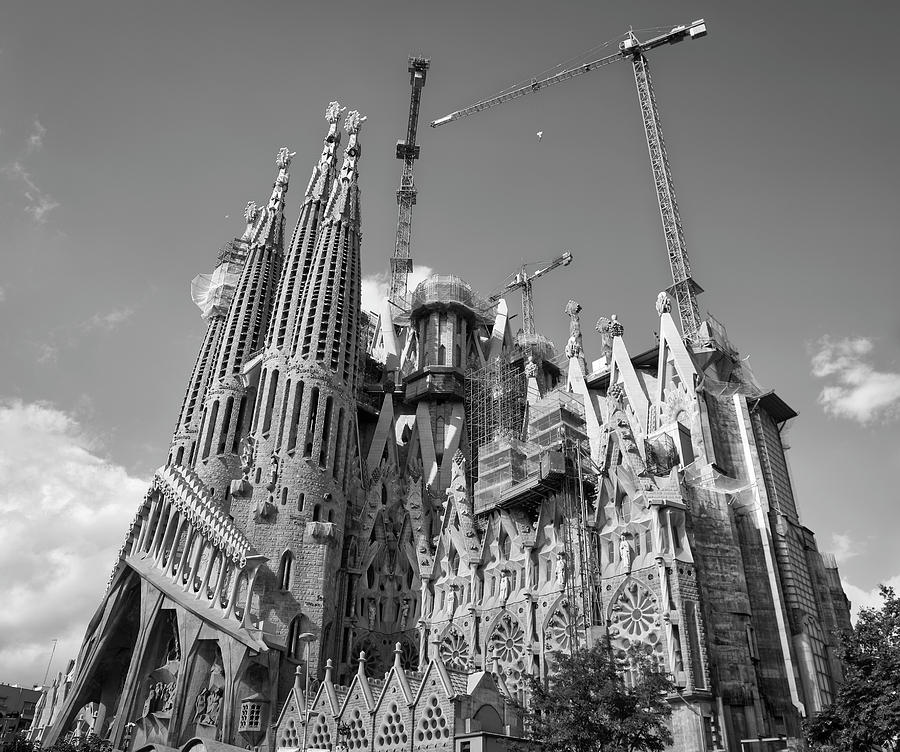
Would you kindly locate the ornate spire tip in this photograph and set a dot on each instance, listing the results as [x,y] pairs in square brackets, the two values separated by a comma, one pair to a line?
[354,121]
[284,157]
[333,112]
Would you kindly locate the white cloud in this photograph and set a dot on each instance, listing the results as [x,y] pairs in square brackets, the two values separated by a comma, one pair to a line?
[108,321]
[38,204]
[375,287]
[36,137]
[843,547]
[857,390]
[2,294]
[860,598]
[64,511]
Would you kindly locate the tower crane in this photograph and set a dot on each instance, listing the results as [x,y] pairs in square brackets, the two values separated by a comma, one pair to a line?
[632,49]
[408,151]
[524,280]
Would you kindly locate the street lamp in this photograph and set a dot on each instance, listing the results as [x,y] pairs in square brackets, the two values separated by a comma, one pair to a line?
[306,637]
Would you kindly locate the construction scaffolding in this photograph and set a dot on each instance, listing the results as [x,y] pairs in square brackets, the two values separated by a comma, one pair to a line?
[545,460]
[495,404]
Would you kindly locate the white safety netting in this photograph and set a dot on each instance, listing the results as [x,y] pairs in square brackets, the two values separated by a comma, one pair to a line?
[213,293]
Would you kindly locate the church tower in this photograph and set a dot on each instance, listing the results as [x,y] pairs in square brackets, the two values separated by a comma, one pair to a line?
[303,434]
[230,395]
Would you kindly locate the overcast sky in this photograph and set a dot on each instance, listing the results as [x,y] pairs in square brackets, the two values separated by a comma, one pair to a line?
[133,134]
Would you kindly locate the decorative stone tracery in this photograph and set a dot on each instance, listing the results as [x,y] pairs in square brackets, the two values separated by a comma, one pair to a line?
[507,643]
[454,650]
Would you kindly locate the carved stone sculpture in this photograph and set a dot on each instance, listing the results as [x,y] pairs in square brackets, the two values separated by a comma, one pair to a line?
[200,705]
[251,213]
[505,585]
[213,706]
[663,303]
[625,553]
[573,346]
[247,458]
[372,613]
[273,473]
[404,614]
[561,572]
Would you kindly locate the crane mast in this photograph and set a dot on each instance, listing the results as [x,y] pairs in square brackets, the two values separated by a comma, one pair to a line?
[684,287]
[408,151]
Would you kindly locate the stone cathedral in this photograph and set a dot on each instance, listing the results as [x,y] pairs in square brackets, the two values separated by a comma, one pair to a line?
[372,527]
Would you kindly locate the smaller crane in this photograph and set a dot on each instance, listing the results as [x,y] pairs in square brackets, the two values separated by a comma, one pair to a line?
[524,280]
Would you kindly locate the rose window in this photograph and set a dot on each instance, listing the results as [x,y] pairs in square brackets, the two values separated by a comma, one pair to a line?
[635,612]
[375,665]
[409,655]
[454,650]
[561,630]
[508,643]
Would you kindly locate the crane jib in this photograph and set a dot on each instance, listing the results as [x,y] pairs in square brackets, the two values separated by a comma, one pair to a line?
[633,49]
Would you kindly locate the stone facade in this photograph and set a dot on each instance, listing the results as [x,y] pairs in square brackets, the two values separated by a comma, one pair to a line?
[372,529]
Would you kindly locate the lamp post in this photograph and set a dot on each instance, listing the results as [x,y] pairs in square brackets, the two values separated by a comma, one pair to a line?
[306,637]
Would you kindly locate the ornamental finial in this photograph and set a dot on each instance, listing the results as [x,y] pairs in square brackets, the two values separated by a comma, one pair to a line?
[333,112]
[663,303]
[284,157]
[251,214]
[354,122]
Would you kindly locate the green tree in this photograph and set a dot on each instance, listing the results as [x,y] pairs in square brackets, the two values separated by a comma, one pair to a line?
[865,714]
[89,743]
[588,707]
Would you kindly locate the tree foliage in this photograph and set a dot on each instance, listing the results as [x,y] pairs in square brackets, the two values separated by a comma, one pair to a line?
[865,714]
[588,707]
[89,743]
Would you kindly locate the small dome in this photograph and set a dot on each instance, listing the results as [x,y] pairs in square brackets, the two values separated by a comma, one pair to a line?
[440,290]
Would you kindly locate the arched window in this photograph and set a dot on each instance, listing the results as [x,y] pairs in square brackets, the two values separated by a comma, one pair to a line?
[295,416]
[311,421]
[505,544]
[442,356]
[284,494]
[255,422]
[439,433]
[285,570]
[317,512]
[294,643]
[270,402]
[300,498]
[326,433]
[179,456]
[210,429]
[239,425]
[331,515]
[282,418]
[338,444]
[226,425]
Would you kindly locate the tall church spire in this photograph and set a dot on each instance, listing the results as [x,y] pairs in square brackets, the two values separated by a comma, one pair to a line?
[304,427]
[229,400]
[328,329]
[303,241]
